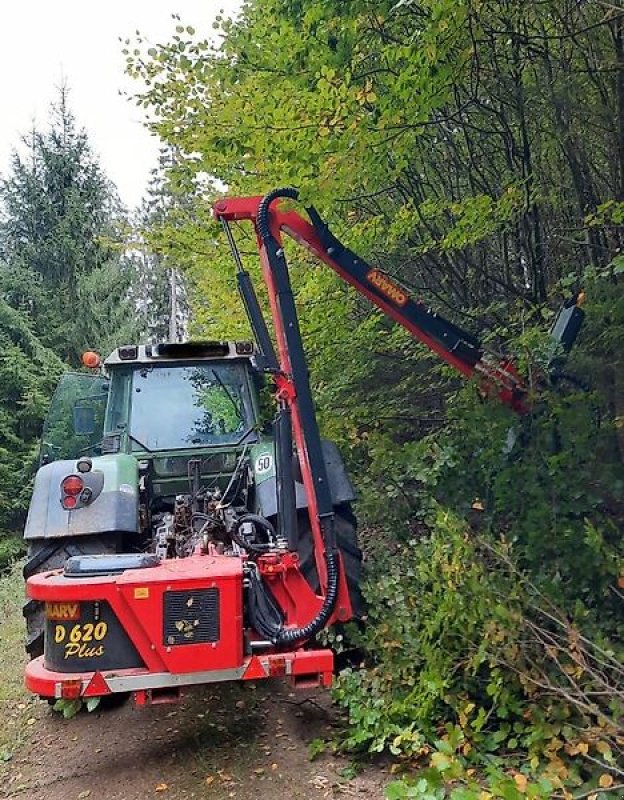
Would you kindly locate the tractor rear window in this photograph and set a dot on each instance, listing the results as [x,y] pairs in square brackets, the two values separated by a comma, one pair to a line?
[174,407]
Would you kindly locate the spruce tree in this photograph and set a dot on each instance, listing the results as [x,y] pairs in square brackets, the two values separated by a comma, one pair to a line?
[62,237]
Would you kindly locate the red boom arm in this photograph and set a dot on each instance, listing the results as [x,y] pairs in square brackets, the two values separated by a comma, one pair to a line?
[457,347]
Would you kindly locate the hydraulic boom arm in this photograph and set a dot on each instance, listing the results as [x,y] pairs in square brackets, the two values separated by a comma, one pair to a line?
[457,347]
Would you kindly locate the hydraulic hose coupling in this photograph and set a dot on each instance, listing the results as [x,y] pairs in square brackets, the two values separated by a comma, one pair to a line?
[289,636]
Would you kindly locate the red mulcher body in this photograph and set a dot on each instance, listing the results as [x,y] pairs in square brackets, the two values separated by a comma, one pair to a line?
[134,623]
[153,630]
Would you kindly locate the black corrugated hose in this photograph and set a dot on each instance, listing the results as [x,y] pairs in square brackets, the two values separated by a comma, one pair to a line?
[272,630]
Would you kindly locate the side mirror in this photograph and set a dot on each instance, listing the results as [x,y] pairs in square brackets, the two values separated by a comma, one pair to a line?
[84,420]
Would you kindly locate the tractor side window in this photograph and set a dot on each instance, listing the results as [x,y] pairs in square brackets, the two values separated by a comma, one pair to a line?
[75,419]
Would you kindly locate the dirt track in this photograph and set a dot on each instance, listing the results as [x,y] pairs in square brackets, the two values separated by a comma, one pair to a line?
[230,742]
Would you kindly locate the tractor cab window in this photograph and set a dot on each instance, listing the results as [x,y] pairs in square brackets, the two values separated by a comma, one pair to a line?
[75,419]
[175,407]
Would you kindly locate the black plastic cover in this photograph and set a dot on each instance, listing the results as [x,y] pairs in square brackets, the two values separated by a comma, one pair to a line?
[190,349]
[99,565]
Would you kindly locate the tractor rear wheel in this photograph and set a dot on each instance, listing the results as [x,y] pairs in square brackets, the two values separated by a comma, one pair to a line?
[47,554]
[346,536]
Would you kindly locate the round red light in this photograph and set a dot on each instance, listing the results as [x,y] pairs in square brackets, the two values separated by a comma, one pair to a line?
[69,501]
[72,485]
[91,360]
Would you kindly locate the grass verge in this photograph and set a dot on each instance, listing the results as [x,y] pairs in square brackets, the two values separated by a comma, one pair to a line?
[16,706]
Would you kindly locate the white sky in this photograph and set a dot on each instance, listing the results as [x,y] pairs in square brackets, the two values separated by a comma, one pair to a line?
[45,42]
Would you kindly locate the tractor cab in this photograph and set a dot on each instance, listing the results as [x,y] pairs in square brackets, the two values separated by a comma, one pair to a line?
[155,399]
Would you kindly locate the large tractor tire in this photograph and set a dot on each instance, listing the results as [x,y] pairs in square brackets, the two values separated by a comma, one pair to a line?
[346,536]
[47,554]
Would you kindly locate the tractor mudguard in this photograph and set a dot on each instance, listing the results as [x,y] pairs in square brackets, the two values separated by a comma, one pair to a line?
[113,507]
[263,464]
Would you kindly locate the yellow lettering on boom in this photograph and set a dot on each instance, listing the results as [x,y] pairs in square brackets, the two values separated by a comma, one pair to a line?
[387,287]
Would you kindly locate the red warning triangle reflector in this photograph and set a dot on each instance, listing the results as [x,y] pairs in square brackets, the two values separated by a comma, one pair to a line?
[97,686]
[254,669]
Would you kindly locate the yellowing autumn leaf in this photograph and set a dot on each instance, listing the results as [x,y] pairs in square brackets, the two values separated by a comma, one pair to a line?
[605,781]
[440,761]
[521,782]
[576,748]
[161,787]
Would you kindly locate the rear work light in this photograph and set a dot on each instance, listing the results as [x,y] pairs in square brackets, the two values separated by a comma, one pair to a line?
[128,353]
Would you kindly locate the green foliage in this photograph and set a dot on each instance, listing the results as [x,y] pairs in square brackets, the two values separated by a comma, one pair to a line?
[69,708]
[469,150]
[432,610]
[10,550]
[469,670]
[28,373]
[430,785]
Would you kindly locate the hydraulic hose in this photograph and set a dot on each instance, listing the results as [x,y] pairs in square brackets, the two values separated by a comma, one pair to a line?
[291,635]
[261,522]
[267,621]
[279,635]
[262,217]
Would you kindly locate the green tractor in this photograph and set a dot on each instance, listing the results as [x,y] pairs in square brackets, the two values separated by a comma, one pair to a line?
[157,451]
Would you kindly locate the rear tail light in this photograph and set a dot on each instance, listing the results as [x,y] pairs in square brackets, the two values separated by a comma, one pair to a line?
[71,689]
[277,666]
[72,485]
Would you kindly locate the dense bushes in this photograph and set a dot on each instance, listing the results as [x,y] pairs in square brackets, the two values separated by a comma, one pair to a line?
[494,651]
